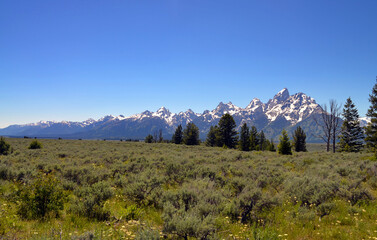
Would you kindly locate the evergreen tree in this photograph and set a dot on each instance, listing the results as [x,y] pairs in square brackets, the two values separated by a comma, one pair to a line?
[284,146]
[212,136]
[148,139]
[271,146]
[371,129]
[191,134]
[299,140]
[351,136]
[227,133]
[253,138]
[177,137]
[244,143]
[262,141]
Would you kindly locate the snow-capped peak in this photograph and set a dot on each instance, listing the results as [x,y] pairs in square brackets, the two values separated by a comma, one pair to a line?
[282,95]
[254,105]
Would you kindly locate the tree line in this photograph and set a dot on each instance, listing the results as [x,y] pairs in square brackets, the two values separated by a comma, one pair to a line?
[346,137]
[224,135]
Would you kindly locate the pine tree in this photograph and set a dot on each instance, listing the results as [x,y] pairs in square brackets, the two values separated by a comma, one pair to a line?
[284,146]
[351,138]
[271,146]
[244,143]
[178,134]
[253,138]
[212,136]
[262,141]
[227,133]
[148,139]
[299,140]
[371,129]
[191,134]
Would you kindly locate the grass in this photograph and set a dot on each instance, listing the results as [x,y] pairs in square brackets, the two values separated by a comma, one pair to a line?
[288,192]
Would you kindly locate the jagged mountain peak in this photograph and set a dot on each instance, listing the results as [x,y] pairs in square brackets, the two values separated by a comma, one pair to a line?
[254,104]
[163,110]
[226,108]
[190,111]
[282,95]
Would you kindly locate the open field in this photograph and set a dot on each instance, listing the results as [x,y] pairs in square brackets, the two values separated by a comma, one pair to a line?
[127,190]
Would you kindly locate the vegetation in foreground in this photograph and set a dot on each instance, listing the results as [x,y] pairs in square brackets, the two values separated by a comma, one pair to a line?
[72,189]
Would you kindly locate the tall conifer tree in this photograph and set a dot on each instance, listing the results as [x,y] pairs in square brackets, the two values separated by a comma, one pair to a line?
[227,133]
[178,135]
[212,136]
[253,138]
[299,140]
[351,136]
[284,146]
[191,134]
[371,129]
[262,141]
[244,143]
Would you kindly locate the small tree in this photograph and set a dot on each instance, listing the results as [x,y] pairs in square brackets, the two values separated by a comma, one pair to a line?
[371,129]
[227,133]
[299,140]
[351,137]
[191,134]
[212,136]
[5,148]
[178,134]
[148,139]
[35,145]
[244,143]
[271,146]
[284,146]
[254,141]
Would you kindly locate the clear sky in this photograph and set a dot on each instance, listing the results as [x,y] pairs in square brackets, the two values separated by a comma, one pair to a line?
[74,60]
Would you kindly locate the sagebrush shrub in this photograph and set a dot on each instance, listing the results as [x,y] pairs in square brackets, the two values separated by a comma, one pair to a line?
[42,198]
[5,148]
[91,200]
[35,145]
[147,234]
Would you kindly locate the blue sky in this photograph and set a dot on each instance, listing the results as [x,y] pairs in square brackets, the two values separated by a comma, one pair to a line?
[74,60]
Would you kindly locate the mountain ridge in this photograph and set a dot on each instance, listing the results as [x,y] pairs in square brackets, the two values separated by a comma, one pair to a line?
[282,111]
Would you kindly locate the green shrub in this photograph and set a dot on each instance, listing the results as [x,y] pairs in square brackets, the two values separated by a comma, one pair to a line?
[91,200]
[133,212]
[42,198]
[35,145]
[5,148]
[250,204]
[191,210]
[147,234]
[144,188]
[325,209]
[309,191]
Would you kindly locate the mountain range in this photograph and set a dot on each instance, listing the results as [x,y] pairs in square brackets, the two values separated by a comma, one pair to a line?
[283,111]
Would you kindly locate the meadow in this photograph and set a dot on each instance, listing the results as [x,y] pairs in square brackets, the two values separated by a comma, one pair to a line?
[132,190]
